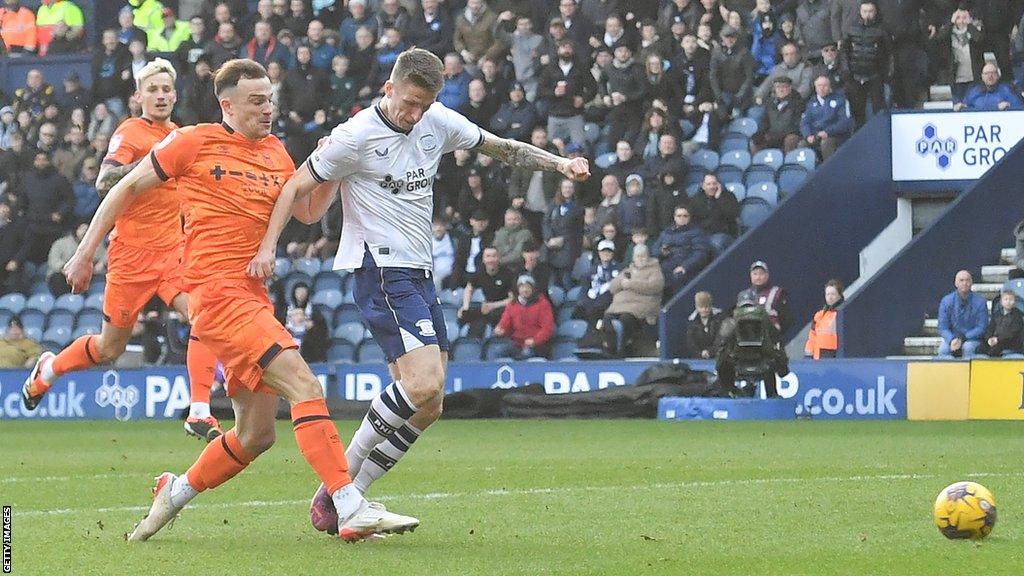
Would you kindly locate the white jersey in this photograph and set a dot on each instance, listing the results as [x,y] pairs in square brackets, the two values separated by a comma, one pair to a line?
[387,180]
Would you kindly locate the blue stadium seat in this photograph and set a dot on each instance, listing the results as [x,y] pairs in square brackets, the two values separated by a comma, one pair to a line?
[341,351]
[1017,285]
[606,160]
[706,159]
[31,318]
[791,178]
[328,298]
[58,334]
[478,296]
[804,157]
[70,302]
[353,332]
[729,174]
[467,350]
[756,175]
[328,281]
[5,318]
[556,295]
[347,313]
[97,286]
[308,266]
[573,295]
[564,313]
[451,326]
[89,318]
[745,126]
[30,270]
[48,346]
[41,302]
[564,349]
[738,190]
[348,297]
[94,301]
[693,177]
[327,265]
[452,297]
[60,317]
[591,133]
[693,189]
[734,142]
[370,351]
[769,157]
[572,329]
[282,266]
[39,287]
[753,211]
[85,331]
[766,191]
[14,302]
[495,348]
[35,333]
[738,158]
[294,278]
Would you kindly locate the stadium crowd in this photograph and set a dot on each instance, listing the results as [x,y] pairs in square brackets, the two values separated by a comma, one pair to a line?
[695,115]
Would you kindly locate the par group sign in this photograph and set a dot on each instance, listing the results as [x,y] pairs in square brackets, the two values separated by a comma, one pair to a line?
[952,145]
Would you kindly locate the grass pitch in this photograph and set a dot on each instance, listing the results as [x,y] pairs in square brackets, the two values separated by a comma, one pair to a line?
[533,497]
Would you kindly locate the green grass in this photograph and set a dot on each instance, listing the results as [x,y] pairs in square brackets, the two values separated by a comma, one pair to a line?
[534,497]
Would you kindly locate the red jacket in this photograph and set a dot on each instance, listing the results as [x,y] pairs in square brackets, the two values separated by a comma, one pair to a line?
[534,320]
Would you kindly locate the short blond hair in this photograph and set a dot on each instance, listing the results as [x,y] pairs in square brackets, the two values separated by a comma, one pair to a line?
[421,68]
[702,299]
[157,66]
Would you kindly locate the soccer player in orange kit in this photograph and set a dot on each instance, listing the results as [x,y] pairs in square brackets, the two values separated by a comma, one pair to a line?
[230,176]
[144,259]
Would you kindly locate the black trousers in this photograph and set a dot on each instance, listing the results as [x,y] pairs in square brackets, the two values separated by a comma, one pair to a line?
[860,93]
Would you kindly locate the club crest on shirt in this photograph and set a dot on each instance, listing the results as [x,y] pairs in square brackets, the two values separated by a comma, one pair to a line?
[428,142]
[115,143]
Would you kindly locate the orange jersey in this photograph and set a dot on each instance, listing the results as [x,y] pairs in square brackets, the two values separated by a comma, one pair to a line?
[153,220]
[228,185]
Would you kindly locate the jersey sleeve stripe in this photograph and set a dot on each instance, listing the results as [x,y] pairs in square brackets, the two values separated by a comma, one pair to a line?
[159,169]
[481,140]
[313,171]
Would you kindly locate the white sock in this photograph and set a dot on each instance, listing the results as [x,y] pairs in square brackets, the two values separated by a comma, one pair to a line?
[199,410]
[347,501]
[46,371]
[385,456]
[181,491]
[387,413]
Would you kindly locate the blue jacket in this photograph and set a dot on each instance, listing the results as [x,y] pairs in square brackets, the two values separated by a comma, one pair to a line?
[967,320]
[980,98]
[685,246]
[455,91]
[633,212]
[763,50]
[833,116]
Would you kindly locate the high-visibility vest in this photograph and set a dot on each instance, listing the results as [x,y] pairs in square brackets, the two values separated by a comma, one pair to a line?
[823,334]
[149,16]
[157,42]
[60,11]
[18,28]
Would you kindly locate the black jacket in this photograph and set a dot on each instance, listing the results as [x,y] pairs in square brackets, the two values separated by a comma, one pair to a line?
[303,90]
[107,78]
[435,37]
[459,275]
[716,215]
[579,82]
[41,193]
[515,121]
[867,49]
[700,336]
[569,227]
[783,117]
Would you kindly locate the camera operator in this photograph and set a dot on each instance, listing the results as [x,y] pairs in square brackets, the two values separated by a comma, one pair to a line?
[749,350]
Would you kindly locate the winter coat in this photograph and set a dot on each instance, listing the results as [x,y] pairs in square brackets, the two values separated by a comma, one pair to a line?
[515,121]
[455,91]
[685,246]
[783,118]
[945,64]
[980,97]
[701,337]
[837,72]
[633,212]
[1007,327]
[832,116]
[43,193]
[579,82]
[716,215]
[867,49]
[510,242]
[304,91]
[534,320]
[637,291]
[435,36]
[477,37]
[64,248]
[962,319]
[732,72]
[627,79]
[813,26]
[565,222]
[799,74]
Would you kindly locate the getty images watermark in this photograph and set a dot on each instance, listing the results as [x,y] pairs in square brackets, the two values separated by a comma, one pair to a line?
[7,539]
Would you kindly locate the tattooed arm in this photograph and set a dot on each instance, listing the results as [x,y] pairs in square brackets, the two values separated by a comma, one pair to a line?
[522,155]
[110,175]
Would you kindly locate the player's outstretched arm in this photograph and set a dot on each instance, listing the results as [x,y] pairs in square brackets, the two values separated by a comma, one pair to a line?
[110,175]
[523,155]
[311,206]
[143,177]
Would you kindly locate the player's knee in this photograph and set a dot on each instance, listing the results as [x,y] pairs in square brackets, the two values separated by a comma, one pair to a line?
[257,441]
[109,349]
[425,386]
[306,388]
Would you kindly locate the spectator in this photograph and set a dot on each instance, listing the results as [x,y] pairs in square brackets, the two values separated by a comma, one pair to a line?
[990,94]
[16,349]
[1003,336]
[359,17]
[476,196]
[495,281]
[564,87]
[639,236]
[322,52]
[525,47]
[611,195]
[516,118]
[563,232]
[667,194]
[626,162]
[8,128]
[303,94]
[653,44]
[47,201]
[963,318]
[578,27]
[74,96]
[224,46]
[67,159]
[201,104]
[362,58]
[387,54]
[634,208]
[595,301]
[101,125]
[128,31]
[474,33]
[958,48]
[826,122]
[264,47]
[626,92]
[297,324]
[765,41]
[658,83]
[613,36]
[685,13]
[390,14]
[469,249]
[443,251]
[12,250]
[832,66]
[683,249]
[645,146]
[431,29]
[781,125]
[62,251]
[265,13]
[732,74]
[702,330]
[868,52]
[17,27]
[813,28]
[137,52]
[84,188]
[192,48]
[533,266]
[55,14]
[171,33]
[528,321]
[510,239]
[47,138]
[636,296]
[693,96]
[715,210]
[343,90]
[315,340]
[773,298]
[455,91]
[148,14]
[792,67]
[298,18]
[478,109]
[535,187]
[668,160]
[823,339]
[35,96]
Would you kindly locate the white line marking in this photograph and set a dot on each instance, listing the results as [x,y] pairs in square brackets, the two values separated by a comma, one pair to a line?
[531,491]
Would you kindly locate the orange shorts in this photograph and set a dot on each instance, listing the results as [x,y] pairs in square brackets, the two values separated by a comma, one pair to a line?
[134,275]
[235,319]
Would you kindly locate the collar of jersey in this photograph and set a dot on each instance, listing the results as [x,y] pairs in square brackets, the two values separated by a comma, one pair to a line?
[388,123]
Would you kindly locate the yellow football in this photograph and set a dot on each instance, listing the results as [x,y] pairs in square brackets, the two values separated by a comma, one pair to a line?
[965,510]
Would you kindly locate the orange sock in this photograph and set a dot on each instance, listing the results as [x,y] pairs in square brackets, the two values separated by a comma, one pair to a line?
[79,355]
[220,461]
[320,444]
[201,367]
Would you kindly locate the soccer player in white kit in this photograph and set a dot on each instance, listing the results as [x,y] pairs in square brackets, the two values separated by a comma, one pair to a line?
[386,158]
